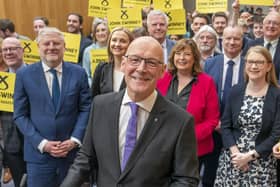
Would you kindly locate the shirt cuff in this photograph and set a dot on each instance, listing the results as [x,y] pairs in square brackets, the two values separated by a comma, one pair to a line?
[42,145]
[76,141]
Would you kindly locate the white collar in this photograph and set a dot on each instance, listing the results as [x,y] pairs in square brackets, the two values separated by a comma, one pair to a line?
[146,104]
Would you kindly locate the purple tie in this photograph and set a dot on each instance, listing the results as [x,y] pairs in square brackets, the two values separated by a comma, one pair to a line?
[131,134]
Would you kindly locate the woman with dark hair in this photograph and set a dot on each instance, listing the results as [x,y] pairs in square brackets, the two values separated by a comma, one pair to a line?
[108,76]
[100,33]
[186,85]
[251,125]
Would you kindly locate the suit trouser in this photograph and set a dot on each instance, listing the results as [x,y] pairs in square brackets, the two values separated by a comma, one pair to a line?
[49,174]
[211,162]
[16,164]
[278,173]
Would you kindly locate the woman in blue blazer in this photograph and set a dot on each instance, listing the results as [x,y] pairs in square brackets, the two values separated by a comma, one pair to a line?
[251,125]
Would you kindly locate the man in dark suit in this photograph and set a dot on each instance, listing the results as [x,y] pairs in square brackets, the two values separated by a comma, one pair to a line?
[51,109]
[157,23]
[270,40]
[12,53]
[164,151]
[218,67]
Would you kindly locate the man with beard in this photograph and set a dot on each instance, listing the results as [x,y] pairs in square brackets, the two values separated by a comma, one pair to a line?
[206,40]
[75,26]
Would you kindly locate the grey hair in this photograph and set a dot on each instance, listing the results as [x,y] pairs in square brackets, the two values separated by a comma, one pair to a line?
[49,30]
[158,13]
[206,28]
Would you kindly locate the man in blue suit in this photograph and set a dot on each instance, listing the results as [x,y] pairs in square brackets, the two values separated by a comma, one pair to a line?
[51,109]
[270,40]
[157,23]
[217,67]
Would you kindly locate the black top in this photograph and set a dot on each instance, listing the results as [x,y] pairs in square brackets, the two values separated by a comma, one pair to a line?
[182,98]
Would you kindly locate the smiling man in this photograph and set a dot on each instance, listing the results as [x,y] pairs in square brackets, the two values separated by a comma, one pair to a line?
[270,39]
[51,109]
[75,26]
[12,53]
[143,140]
[157,23]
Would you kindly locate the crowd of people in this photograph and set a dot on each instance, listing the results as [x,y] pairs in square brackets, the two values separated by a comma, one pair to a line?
[197,109]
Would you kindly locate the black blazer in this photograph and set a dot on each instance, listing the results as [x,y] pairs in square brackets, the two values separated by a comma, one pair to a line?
[164,155]
[270,130]
[102,81]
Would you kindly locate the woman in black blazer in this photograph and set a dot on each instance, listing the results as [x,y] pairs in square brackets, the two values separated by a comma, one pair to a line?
[251,126]
[108,76]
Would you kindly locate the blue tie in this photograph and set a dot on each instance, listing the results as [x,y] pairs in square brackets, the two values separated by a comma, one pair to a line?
[220,44]
[228,83]
[131,134]
[55,88]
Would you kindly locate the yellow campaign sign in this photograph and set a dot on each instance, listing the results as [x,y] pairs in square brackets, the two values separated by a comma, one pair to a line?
[136,3]
[257,2]
[177,21]
[168,4]
[72,42]
[99,8]
[7,86]
[97,56]
[211,6]
[127,17]
[30,51]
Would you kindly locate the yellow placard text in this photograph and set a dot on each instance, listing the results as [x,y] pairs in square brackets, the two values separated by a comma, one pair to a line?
[7,86]
[72,50]
[211,6]
[30,51]
[97,56]
[127,17]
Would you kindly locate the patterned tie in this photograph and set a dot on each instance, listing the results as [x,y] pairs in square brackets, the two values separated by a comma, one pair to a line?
[131,134]
[55,88]
[228,83]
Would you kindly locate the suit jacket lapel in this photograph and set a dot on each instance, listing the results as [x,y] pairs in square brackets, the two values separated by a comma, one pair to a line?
[115,133]
[65,81]
[241,70]
[220,74]
[153,124]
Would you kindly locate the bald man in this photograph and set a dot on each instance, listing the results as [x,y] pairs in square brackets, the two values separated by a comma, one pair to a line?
[163,152]
[12,53]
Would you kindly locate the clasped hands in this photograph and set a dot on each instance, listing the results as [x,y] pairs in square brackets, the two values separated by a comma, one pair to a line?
[241,160]
[59,148]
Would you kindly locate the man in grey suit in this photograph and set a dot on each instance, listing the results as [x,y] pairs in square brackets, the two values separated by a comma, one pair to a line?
[157,23]
[164,151]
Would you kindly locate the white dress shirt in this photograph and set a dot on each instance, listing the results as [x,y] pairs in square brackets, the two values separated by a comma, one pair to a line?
[273,46]
[144,109]
[235,73]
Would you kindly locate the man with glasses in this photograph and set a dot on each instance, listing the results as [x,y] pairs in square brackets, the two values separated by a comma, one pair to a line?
[206,40]
[270,40]
[142,140]
[12,53]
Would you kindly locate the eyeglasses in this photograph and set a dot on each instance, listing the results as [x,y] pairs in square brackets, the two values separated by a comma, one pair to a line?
[258,63]
[135,60]
[11,49]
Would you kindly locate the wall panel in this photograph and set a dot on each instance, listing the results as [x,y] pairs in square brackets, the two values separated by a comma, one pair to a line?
[22,13]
